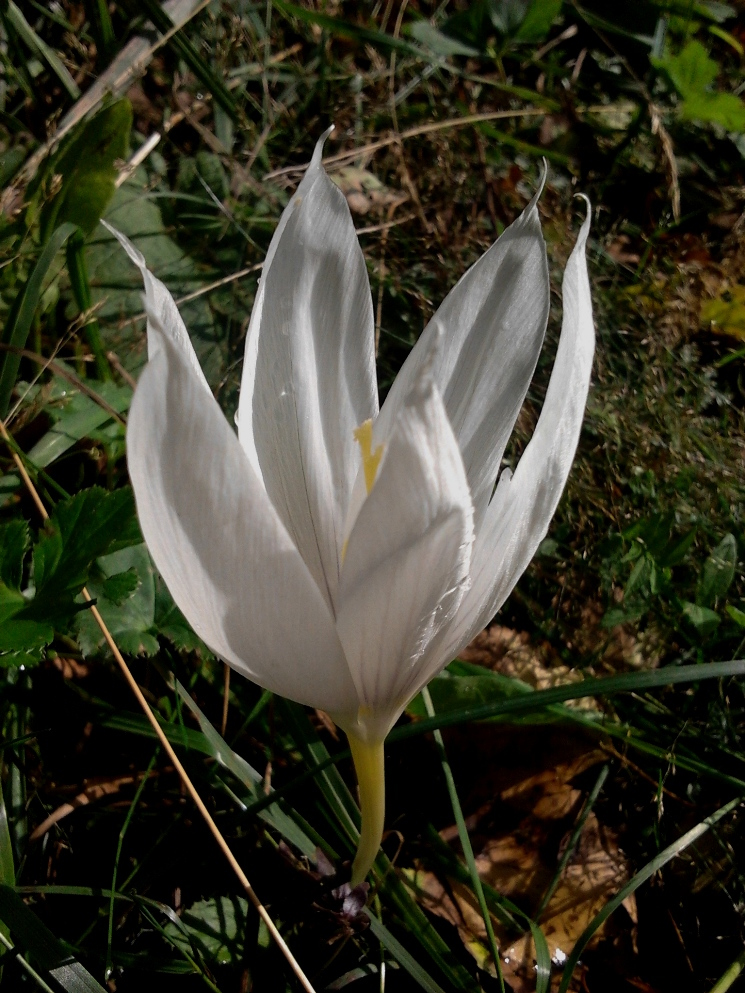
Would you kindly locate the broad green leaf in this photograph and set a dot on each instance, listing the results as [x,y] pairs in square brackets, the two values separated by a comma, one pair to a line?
[21,635]
[77,418]
[217,927]
[87,164]
[718,572]
[538,20]
[704,620]
[691,71]
[14,542]
[724,109]
[79,530]
[738,616]
[11,602]
[441,44]
[116,284]
[677,549]
[726,316]
[120,586]
[131,622]
[172,624]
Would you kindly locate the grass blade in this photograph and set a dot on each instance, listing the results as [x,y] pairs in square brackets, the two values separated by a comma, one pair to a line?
[43,947]
[22,313]
[569,850]
[653,866]
[535,700]
[404,959]
[81,289]
[40,47]
[282,819]
[192,58]
[465,841]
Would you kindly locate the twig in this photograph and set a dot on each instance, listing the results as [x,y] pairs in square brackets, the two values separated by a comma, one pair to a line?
[68,374]
[374,146]
[198,293]
[190,788]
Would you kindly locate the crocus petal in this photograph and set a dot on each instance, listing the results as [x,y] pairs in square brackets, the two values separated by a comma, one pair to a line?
[493,323]
[406,563]
[519,514]
[309,374]
[161,309]
[216,538]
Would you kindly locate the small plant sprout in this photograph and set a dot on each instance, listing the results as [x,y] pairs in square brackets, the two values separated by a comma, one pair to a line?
[337,553]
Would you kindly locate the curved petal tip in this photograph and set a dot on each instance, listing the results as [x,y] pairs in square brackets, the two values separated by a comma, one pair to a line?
[315,162]
[588,217]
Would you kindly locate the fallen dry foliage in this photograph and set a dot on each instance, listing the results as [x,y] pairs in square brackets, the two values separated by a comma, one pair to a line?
[520,863]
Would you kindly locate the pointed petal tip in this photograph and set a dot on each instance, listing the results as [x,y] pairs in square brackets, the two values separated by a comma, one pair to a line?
[585,229]
[543,176]
[317,158]
[134,253]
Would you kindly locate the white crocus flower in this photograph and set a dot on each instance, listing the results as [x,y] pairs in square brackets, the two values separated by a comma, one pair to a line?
[334,554]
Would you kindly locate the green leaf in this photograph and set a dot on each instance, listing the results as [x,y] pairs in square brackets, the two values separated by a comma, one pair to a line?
[22,635]
[171,623]
[718,572]
[282,819]
[78,418]
[639,576]
[404,958]
[624,615]
[14,542]
[441,44]
[40,48]
[217,927]
[537,700]
[538,20]
[79,530]
[18,323]
[738,616]
[677,549]
[86,162]
[724,109]
[11,602]
[691,71]
[705,621]
[116,284]
[120,586]
[42,947]
[131,622]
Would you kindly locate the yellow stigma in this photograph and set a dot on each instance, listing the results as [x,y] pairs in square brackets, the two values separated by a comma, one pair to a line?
[363,435]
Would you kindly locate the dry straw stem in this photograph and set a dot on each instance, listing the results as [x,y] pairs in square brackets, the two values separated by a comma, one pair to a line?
[453,122]
[168,748]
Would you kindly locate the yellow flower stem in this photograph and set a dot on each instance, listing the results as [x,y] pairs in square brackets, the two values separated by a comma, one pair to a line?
[368,764]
